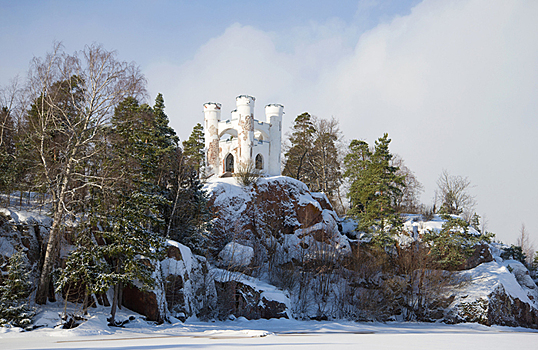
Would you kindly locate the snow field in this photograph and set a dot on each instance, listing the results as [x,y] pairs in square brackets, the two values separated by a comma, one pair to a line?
[283,334]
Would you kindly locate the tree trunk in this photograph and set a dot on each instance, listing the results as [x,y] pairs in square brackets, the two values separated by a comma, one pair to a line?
[53,244]
[50,258]
[112,319]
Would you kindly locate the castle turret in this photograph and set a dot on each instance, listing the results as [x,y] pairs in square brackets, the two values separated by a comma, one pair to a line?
[212,118]
[232,144]
[245,112]
[273,115]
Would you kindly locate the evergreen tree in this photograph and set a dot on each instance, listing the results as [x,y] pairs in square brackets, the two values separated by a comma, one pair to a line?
[130,208]
[193,148]
[7,151]
[313,155]
[375,189]
[301,147]
[514,252]
[14,294]
[453,244]
[190,222]
[129,240]
[165,142]
[85,266]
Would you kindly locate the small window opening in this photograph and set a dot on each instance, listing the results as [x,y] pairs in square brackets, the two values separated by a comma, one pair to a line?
[259,162]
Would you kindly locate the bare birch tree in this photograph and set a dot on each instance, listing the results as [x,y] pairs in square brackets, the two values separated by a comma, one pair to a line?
[409,202]
[74,97]
[453,193]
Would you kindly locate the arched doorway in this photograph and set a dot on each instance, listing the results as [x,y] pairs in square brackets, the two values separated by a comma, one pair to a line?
[229,164]
[259,162]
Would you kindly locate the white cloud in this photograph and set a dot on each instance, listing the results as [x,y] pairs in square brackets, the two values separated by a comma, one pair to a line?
[454,83]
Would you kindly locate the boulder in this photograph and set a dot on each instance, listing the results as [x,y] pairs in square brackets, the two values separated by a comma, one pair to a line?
[244,296]
[143,302]
[184,288]
[492,294]
[481,254]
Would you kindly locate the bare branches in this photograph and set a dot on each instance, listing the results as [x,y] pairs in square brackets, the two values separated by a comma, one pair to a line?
[454,196]
[527,247]
[409,202]
[74,97]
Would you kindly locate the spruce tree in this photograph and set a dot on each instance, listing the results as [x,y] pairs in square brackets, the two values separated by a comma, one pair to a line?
[14,293]
[86,266]
[7,151]
[193,148]
[131,209]
[165,142]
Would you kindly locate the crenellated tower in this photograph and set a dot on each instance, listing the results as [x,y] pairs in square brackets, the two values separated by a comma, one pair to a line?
[240,140]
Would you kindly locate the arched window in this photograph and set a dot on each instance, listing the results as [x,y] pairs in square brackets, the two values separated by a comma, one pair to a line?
[259,162]
[229,164]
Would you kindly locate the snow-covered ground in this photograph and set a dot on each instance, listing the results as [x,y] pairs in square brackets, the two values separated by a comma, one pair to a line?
[241,333]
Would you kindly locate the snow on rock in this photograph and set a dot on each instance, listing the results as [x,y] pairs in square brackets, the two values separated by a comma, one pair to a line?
[48,318]
[496,293]
[236,255]
[416,226]
[240,295]
[23,230]
[277,211]
[184,287]
[24,217]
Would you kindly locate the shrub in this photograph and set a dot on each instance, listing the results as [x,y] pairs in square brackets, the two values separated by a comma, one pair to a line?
[247,174]
[514,253]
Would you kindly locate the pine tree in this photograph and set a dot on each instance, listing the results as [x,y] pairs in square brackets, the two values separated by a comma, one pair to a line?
[302,145]
[453,244]
[193,148]
[375,189]
[14,294]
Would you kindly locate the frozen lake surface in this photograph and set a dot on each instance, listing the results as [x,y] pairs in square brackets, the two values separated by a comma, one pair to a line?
[264,334]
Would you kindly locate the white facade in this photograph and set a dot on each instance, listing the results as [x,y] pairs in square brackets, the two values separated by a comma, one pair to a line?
[233,143]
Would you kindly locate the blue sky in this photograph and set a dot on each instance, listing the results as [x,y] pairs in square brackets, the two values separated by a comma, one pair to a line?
[453,82]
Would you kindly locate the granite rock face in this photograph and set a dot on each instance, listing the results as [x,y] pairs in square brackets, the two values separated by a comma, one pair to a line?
[240,295]
[184,287]
[495,293]
[277,215]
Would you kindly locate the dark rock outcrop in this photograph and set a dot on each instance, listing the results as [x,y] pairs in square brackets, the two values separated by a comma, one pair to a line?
[494,295]
[243,296]
[480,255]
[143,302]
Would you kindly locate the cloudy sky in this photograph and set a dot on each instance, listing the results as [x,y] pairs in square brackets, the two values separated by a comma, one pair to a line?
[453,82]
